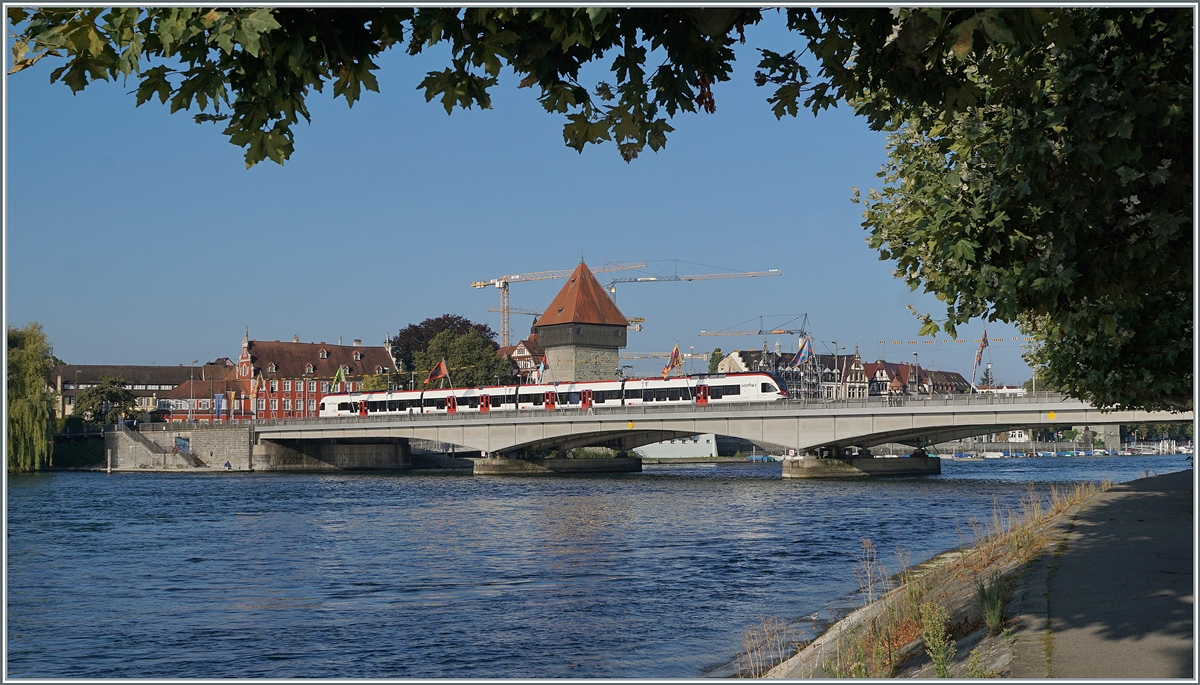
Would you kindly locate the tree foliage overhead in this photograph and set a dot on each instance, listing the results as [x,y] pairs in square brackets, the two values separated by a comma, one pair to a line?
[415,337]
[1039,169]
[107,402]
[30,400]
[470,359]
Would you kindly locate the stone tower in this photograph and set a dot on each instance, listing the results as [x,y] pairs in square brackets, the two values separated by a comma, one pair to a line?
[581,331]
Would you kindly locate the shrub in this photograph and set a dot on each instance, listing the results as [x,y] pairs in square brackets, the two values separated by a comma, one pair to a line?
[938,644]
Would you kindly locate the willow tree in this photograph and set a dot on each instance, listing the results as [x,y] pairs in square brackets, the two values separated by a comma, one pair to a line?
[30,399]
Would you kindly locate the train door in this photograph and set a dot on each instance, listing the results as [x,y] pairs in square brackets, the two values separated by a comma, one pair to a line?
[585,399]
[485,404]
[549,399]
[701,395]
[451,404]
[362,407]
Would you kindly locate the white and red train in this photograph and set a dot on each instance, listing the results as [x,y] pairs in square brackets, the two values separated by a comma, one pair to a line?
[701,391]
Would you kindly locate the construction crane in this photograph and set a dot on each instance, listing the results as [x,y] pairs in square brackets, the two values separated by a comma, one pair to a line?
[612,284]
[502,282]
[762,330]
[702,356]
[635,322]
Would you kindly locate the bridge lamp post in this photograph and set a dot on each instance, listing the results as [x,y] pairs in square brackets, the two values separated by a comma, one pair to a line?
[917,377]
[192,389]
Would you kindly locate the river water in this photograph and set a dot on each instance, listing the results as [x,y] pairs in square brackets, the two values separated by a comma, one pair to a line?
[377,575]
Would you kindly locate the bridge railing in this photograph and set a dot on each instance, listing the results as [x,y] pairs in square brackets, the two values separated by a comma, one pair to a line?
[876,402]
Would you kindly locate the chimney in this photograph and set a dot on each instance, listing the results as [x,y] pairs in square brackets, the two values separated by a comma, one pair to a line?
[357,342]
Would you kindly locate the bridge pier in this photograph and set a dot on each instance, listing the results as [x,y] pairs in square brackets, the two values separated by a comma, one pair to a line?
[814,467]
[541,466]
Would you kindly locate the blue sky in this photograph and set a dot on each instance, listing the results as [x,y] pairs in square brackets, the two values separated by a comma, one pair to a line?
[138,237]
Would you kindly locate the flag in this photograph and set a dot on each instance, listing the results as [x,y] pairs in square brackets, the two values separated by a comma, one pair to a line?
[338,377]
[804,353]
[437,372]
[219,403]
[674,362]
[979,356]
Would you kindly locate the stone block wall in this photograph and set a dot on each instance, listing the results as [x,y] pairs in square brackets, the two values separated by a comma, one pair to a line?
[582,363]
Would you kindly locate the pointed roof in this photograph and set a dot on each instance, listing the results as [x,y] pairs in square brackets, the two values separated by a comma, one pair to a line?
[582,300]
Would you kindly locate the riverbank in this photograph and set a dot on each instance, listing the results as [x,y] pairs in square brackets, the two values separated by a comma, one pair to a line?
[1089,594]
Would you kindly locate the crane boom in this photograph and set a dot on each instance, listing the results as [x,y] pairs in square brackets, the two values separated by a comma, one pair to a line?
[502,282]
[773,331]
[612,284]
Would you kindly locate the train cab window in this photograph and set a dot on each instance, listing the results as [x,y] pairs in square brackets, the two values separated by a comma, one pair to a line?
[768,388]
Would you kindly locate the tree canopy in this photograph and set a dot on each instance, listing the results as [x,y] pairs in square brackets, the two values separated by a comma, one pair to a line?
[30,400]
[1040,167]
[470,358]
[415,337]
[107,402]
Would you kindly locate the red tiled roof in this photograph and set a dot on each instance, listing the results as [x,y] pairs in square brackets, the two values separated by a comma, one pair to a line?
[291,359]
[582,300]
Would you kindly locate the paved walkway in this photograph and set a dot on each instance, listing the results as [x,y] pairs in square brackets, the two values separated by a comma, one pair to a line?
[1119,590]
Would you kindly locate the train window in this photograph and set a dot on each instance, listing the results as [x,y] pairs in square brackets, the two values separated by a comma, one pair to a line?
[647,395]
[572,398]
[473,402]
[660,395]
[632,394]
[732,390]
[767,387]
[343,406]
[714,392]
[673,394]
[685,393]
[395,405]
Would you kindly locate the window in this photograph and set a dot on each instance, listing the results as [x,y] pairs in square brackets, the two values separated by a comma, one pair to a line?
[274,405]
[312,405]
[312,386]
[70,400]
[324,387]
[261,405]
[358,356]
[271,368]
[287,386]
[308,368]
[287,405]
[204,404]
[324,354]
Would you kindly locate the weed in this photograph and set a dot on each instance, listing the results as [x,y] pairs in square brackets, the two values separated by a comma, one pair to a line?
[975,667]
[938,644]
[992,596]
[869,571]
[764,646]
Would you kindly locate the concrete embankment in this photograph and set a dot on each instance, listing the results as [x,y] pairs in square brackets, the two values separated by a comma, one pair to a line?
[1106,593]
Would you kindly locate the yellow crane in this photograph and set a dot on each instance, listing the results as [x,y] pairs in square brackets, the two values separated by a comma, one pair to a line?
[762,330]
[612,284]
[502,283]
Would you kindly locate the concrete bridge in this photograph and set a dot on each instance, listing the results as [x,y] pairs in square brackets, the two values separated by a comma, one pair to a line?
[807,426]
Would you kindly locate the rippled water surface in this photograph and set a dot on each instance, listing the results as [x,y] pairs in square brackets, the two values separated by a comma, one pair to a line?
[654,574]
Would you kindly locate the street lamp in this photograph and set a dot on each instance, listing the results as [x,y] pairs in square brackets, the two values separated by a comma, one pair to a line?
[916,376]
[192,388]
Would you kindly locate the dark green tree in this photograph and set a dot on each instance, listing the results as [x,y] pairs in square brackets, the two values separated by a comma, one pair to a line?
[1040,169]
[30,399]
[107,402]
[415,337]
[470,359]
[714,359]
[987,378]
